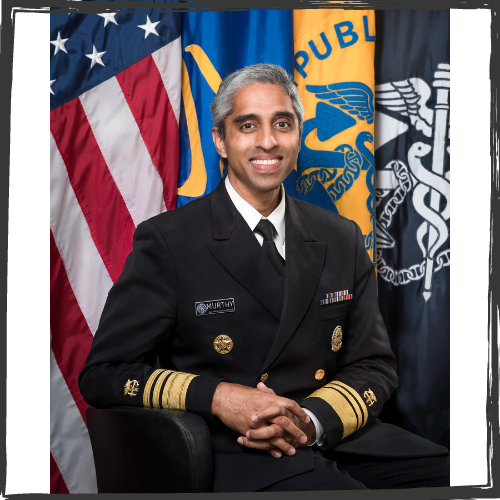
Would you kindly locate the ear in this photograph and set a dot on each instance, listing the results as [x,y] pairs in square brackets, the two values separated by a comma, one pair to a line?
[218,143]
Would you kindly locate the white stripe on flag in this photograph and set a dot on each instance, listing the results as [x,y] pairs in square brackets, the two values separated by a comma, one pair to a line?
[123,149]
[168,60]
[86,272]
[69,438]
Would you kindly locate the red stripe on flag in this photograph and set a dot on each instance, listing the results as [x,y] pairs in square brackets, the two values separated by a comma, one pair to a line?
[57,484]
[71,337]
[102,204]
[148,100]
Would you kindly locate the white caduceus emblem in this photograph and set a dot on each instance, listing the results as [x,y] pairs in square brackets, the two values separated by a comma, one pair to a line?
[429,189]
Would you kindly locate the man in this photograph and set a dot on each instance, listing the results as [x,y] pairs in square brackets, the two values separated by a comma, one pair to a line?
[263,312]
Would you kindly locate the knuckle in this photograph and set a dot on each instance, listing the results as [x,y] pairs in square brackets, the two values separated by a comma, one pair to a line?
[282,420]
[278,431]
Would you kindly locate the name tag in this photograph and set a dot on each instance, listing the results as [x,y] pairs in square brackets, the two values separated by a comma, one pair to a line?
[214,307]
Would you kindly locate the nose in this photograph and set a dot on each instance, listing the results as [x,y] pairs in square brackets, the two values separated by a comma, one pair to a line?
[266,138]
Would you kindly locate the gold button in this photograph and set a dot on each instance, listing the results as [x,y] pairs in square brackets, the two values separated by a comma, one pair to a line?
[319,374]
[264,377]
[223,344]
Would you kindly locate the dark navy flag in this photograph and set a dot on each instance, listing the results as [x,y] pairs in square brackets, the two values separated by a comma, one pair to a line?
[412,100]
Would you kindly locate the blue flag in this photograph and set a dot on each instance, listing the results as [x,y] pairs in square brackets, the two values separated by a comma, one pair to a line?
[214,44]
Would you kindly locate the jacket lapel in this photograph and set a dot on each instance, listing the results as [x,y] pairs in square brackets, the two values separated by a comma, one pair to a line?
[304,265]
[239,252]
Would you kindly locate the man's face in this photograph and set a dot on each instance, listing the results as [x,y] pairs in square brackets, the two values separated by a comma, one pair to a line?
[262,139]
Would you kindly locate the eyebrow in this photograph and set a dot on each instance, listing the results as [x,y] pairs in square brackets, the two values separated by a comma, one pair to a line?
[252,116]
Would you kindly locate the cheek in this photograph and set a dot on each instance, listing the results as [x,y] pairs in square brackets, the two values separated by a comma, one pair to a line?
[293,147]
[238,149]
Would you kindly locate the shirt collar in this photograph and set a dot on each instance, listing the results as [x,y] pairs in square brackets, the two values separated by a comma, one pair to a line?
[252,216]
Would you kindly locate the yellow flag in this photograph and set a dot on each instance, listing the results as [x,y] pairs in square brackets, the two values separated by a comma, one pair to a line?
[334,71]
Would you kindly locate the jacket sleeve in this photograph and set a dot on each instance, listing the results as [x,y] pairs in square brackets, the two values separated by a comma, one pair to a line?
[138,320]
[366,365]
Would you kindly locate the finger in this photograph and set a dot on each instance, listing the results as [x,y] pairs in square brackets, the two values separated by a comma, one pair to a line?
[299,412]
[282,445]
[268,432]
[289,426]
[281,409]
[275,443]
[260,445]
[272,432]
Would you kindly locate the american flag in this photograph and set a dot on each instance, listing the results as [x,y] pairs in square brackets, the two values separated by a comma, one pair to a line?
[115,84]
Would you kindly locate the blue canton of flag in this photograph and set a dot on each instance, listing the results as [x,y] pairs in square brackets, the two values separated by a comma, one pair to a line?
[89,49]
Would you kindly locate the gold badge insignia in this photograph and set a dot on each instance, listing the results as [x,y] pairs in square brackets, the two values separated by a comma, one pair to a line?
[131,388]
[370,397]
[223,344]
[337,339]
[319,374]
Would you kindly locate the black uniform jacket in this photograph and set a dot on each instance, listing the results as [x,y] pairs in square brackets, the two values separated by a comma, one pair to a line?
[333,359]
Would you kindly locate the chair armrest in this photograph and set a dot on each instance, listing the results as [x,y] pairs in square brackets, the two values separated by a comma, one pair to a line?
[140,450]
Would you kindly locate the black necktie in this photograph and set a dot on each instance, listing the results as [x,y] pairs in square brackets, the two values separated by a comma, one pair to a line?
[266,229]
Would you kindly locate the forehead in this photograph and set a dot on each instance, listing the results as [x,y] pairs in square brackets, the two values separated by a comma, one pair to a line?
[261,99]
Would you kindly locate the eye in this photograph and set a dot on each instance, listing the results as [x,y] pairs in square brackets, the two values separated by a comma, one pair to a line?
[283,124]
[247,126]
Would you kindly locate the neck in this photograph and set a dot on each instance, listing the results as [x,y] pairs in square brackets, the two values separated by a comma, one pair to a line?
[267,206]
[265,202]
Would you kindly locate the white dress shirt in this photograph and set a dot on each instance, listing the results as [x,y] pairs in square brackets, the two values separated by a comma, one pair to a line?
[277,218]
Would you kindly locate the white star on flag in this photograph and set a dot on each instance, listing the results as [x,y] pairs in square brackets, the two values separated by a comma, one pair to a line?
[149,27]
[96,57]
[51,82]
[59,43]
[109,17]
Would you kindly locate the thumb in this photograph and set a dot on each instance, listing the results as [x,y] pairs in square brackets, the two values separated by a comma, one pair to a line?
[263,388]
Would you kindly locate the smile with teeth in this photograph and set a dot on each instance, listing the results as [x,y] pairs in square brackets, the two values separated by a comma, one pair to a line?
[266,162]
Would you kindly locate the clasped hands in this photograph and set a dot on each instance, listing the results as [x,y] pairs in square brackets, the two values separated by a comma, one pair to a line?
[265,421]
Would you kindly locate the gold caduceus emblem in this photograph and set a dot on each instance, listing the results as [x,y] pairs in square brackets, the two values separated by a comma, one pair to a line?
[131,388]
[370,397]
[336,339]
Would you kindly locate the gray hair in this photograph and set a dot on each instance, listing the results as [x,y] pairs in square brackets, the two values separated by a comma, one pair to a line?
[222,105]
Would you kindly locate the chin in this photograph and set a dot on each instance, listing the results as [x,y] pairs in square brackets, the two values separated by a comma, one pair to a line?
[266,187]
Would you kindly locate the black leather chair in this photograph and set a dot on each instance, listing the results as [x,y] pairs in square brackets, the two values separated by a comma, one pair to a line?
[139,450]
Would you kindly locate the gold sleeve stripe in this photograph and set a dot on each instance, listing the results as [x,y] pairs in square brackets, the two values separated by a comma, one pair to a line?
[357,397]
[147,389]
[184,387]
[159,383]
[351,401]
[166,395]
[341,406]
[175,390]
[346,402]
